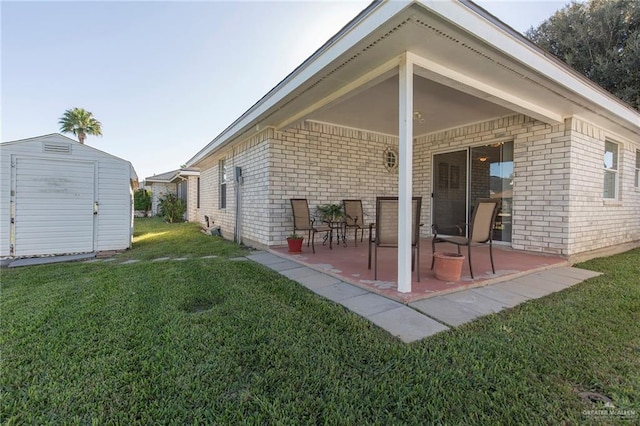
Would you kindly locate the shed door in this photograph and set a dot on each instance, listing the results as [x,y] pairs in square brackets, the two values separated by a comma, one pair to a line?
[53,206]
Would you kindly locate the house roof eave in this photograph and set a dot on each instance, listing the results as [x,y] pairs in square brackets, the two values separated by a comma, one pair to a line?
[306,70]
[536,67]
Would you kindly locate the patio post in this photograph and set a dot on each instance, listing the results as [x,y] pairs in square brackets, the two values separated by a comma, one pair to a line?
[405,183]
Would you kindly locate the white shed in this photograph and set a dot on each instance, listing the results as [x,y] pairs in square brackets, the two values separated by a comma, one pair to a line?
[59,196]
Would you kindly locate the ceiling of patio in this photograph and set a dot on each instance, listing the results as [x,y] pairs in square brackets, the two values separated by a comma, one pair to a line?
[492,84]
[437,108]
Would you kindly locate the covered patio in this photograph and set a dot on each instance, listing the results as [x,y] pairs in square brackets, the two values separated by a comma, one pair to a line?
[349,263]
[437,100]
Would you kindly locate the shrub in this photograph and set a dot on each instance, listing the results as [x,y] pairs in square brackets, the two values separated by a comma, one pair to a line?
[142,200]
[172,208]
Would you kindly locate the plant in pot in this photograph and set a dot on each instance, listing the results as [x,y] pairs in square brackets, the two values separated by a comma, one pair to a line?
[294,241]
[330,212]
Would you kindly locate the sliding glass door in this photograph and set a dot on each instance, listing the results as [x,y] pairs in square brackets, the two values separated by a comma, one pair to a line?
[460,178]
[450,191]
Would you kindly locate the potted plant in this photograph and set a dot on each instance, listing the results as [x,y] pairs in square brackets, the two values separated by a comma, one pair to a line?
[294,241]
[330,212]
[448,266]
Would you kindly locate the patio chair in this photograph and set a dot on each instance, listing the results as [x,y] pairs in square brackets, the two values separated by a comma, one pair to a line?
[386,230]
[302,221]
[480,231]
[354,218]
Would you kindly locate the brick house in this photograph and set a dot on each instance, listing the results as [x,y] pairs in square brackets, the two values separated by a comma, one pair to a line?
[444,101]
[183,183]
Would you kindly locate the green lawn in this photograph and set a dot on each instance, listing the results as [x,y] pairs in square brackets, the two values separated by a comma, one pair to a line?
[227,341]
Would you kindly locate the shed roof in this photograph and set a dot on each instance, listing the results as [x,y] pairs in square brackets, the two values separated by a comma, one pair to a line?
[62,139]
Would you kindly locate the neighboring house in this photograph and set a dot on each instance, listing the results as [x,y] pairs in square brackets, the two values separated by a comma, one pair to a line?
[183,183]
[439,100]
[61,197]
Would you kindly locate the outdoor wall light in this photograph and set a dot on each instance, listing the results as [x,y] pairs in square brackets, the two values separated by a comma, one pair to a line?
[483,158]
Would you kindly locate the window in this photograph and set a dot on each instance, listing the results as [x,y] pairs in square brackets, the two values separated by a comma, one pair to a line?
[610,170]
[198,195]
[222,166]
[637,168]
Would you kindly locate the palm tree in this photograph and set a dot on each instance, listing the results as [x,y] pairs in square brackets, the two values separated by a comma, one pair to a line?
[81,123]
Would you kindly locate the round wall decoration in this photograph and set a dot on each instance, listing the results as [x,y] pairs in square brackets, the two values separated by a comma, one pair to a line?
[390,158]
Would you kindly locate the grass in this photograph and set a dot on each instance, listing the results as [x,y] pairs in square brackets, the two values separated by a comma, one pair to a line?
[226,341]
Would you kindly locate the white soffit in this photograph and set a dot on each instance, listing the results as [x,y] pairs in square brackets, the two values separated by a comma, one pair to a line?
[557,77]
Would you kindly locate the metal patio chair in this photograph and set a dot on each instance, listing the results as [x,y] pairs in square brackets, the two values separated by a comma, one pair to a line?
[354,218]
[302,221]
[480,231]
[386,230]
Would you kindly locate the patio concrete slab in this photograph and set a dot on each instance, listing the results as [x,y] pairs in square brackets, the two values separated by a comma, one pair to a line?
[265,258]
[547,284]
[283,265]
[425,317]
[369,304]
[479,303]
[300,272]
[578,273]
[446,311]
[407,324]
[506,298]
[523,289]
[340,291]
[317,281]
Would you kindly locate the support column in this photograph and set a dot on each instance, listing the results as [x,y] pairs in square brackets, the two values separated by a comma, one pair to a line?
[405,172]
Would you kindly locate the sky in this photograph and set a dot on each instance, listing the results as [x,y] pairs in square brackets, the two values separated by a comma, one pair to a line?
[165,78]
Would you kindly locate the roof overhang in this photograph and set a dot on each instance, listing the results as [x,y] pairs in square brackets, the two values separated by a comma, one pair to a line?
[173,176]
[469,67]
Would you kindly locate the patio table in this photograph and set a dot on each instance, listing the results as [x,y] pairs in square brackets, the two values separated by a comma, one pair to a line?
[340,228]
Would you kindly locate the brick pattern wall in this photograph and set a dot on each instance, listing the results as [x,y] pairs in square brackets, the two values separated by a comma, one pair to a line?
[158,191]
[541,174]
[252,156]
[326,164]
[192,199]
[596,223]
[557,186]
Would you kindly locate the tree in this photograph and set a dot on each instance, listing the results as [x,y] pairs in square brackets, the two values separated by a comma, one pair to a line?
[600,39]
[81,123]
[142,200]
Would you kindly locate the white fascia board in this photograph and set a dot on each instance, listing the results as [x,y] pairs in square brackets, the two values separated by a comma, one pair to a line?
[525,52]
[353,33]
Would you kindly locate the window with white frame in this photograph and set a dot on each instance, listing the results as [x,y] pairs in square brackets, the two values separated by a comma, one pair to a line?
[222,168]
[637,168]
[610,190]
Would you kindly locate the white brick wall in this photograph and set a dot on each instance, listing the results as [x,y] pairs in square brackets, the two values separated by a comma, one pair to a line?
[252,156]
[541,175]
[596,223]
[326,164]
[557,188]
[192,199]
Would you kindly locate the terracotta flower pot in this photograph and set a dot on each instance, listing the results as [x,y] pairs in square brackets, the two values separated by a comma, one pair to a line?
[295,245]
[448,266]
